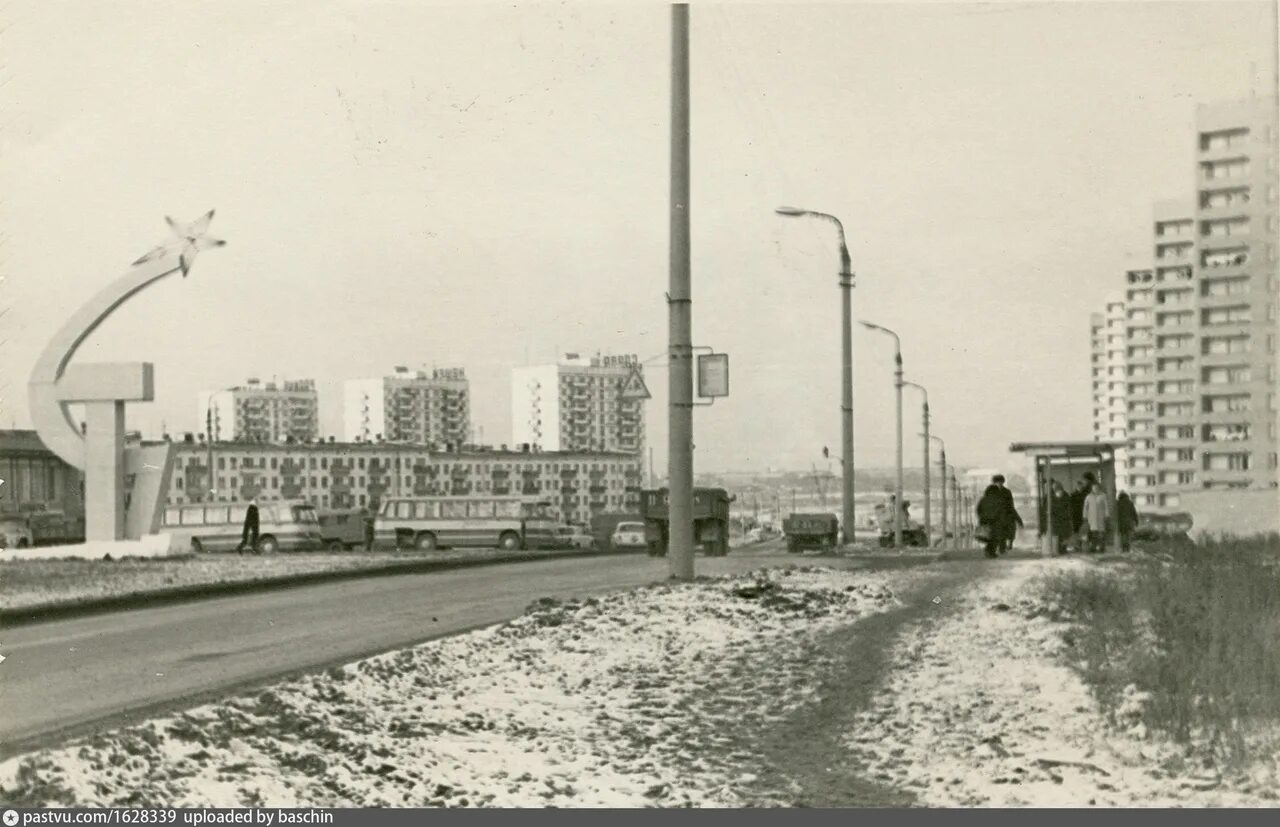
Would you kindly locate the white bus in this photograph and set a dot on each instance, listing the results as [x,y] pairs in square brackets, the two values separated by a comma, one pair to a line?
[282,526]
[428,523]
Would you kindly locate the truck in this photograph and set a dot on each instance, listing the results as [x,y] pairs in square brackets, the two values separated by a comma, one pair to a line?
[710,520]
[811,531]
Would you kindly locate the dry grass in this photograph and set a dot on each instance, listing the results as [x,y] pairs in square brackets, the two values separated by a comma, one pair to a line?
[1186,640]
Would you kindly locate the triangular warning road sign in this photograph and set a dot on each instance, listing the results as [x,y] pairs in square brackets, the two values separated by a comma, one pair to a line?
[634,387]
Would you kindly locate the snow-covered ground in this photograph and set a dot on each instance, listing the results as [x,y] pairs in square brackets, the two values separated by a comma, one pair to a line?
[980,710]
[625,700]
[27,583]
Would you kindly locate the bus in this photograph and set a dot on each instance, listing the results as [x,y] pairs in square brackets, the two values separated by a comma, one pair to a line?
[428,523]
[282,526]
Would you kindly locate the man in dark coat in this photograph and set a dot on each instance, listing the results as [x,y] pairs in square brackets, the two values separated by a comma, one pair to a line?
[1010,520]
[249,536]
[1078,497]
[1126,519]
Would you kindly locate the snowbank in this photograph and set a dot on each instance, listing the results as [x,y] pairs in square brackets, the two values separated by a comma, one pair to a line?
[152,545]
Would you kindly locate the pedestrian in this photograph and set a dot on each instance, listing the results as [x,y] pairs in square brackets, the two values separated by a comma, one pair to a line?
[368,528]
[1011,520]
[1079,530]
[1096,511]
[1060,517]
[249,535]
[995,519]
[1126,519]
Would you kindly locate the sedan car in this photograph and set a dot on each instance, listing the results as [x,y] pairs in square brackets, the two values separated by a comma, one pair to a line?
[628,537]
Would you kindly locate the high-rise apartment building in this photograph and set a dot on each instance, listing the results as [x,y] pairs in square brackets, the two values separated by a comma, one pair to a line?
[1236,225]
[577,404]
[1200,325]
[410,407]
[262,412]
[1107,331]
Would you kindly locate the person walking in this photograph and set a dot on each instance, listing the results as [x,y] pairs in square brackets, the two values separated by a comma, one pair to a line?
[1096,511]
[249,534]
[997,518]
[368,519]
[1010,520]
[1126,519]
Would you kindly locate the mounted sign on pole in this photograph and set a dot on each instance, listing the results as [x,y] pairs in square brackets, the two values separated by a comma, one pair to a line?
[713,375]
[634,387]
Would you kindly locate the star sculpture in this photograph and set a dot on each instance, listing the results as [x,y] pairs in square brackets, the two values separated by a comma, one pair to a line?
[190,240]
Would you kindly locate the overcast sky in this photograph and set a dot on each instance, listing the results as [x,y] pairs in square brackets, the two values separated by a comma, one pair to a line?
[483,186]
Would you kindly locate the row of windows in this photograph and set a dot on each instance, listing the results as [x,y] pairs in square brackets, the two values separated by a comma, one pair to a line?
[273,463]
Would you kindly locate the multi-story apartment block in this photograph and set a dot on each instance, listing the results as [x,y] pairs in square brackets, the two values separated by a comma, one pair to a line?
[258,412]
[1175,324]
[1139,387]
[1236,224]
[577,404]
[1107,332]
[409,407]
[1200,330]
[354,475]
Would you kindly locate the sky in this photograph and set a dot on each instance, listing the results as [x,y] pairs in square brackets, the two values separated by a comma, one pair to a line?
[485,186]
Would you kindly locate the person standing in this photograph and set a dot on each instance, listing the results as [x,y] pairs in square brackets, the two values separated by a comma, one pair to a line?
[1061,519]
[1126,519]
[1096,511]
[1079,529]
[249,534]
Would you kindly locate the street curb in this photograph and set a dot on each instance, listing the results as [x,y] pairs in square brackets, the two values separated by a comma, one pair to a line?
[161,597]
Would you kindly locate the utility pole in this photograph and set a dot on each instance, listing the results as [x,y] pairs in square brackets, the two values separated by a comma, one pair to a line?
[680,312]
[208,441]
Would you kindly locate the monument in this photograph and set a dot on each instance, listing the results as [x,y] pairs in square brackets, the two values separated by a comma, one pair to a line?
[104,388]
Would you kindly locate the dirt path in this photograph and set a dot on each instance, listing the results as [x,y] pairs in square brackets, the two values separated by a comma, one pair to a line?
[803,760]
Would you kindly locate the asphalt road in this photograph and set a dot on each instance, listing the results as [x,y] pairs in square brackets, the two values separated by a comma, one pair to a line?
[71,677]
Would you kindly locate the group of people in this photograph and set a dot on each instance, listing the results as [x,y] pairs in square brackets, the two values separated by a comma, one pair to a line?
[998,518]
[1080,518]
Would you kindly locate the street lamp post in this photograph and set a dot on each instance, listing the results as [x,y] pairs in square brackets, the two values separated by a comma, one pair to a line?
[942,475]
[928,524]
[846,364]
[897,386]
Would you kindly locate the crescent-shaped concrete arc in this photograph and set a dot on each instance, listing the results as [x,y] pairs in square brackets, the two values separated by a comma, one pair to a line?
[50,415]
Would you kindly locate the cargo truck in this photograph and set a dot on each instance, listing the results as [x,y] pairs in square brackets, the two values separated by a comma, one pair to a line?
[710,520]
[811,531]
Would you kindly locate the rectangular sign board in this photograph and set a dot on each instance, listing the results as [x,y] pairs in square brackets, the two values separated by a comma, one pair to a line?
[713,375]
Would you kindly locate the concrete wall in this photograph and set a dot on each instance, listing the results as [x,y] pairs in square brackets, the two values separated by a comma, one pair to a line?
[1242,513]
[151,469]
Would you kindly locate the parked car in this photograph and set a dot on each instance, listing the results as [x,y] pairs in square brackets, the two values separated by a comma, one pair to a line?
[15,532]
[629,537]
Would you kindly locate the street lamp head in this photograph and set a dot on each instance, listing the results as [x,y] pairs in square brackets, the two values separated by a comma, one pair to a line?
[871,326]
[792,211]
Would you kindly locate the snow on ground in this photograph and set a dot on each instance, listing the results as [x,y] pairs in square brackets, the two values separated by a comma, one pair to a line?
[981,710]
[623,700]
[26,583]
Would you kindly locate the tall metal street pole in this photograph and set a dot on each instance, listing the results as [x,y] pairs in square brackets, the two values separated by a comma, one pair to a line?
[897,387]
[208,441]
[680,313]
[928,523]
[942,475]
[848,512]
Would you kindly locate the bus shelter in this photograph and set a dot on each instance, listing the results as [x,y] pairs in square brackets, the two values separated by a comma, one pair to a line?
[1066,463]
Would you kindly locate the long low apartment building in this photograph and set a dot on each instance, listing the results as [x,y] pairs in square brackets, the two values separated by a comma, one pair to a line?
[360,474]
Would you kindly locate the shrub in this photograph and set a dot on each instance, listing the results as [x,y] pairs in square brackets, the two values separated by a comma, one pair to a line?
[1195,630]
